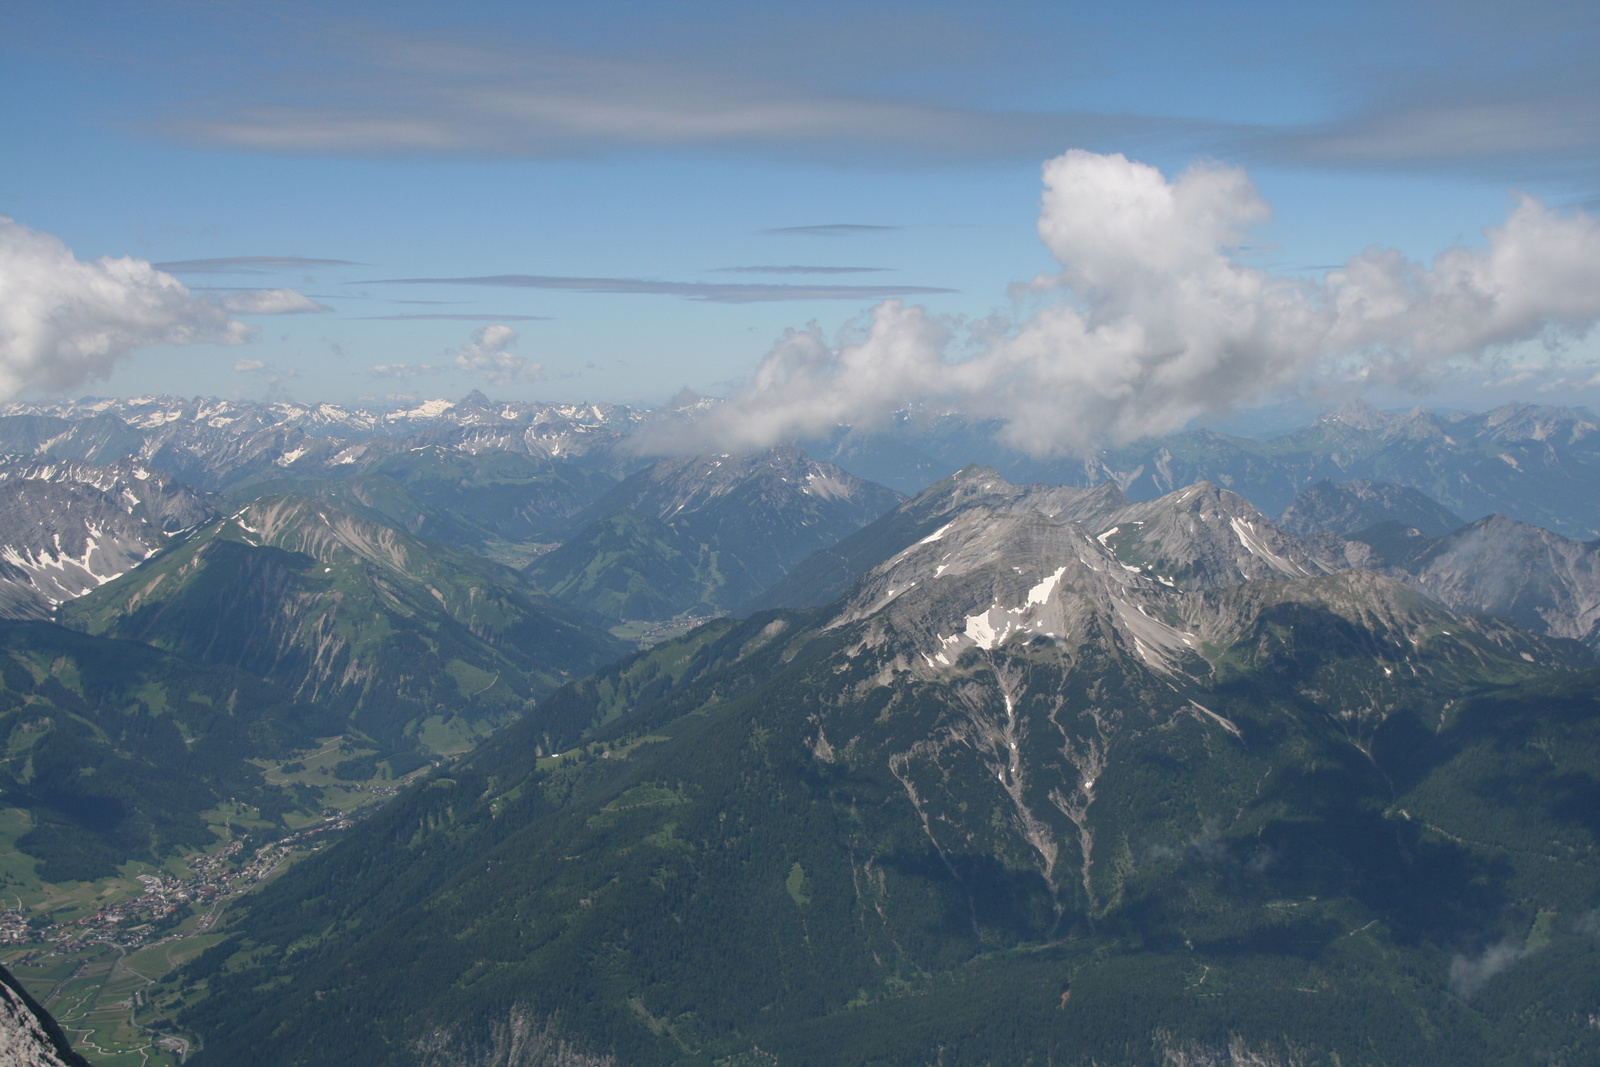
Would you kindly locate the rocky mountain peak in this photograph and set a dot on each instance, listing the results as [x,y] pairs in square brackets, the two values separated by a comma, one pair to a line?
[69,527]
[1003,574]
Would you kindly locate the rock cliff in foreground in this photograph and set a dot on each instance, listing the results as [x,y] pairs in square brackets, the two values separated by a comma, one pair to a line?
[29,1037]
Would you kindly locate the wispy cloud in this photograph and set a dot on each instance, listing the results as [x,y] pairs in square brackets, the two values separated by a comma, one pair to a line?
[1498,88]
[453,318]
[404,371]
[831,229]
[1469,974]
[388,94]
[271,302]
[731,293]
[249,265]
[798,270]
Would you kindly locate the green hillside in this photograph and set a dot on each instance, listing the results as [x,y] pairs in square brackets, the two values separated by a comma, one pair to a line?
[631,566]
[412,642]
[115,751]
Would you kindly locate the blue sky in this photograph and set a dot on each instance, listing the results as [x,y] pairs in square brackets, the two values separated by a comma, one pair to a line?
[635,169]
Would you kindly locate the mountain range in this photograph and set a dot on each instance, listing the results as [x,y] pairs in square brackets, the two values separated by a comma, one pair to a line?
[1533,463]
[1048,762]
[1026,793]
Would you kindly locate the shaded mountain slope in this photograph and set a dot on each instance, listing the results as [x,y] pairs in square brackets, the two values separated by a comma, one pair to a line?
[115,749]
[1543,582]
[1344,509]
[632,566]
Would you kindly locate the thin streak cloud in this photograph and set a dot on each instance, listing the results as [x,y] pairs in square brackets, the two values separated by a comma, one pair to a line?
[454,318]
[732,293]
[248,264]
[395,95]
[798,270]
[831,229]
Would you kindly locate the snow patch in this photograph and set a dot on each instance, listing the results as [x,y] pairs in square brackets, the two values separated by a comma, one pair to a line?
[1040,594]
[1252,542]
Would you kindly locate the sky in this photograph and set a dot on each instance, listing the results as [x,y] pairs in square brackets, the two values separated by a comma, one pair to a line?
[820,210]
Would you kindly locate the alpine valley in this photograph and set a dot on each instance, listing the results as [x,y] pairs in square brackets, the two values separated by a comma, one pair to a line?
[474,734]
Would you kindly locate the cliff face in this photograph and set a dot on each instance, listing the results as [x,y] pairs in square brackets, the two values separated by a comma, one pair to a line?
[29,1037]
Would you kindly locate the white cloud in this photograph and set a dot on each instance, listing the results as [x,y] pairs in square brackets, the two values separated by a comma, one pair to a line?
[486,355]
[248,366]
[63,320]
[403,370]
[1154,320]
[270,302]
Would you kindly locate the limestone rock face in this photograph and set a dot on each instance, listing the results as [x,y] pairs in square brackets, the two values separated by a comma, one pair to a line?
[29,1037]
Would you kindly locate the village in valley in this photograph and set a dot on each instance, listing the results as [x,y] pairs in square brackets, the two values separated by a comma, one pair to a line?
[166,901]
[91,952]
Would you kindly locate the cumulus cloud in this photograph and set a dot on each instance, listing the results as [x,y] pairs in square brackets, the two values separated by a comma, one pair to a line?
[486,356]
[248,366]
[63,320]
[270,302]
[1154,319]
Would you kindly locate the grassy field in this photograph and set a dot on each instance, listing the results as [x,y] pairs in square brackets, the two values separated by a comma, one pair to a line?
[98,994]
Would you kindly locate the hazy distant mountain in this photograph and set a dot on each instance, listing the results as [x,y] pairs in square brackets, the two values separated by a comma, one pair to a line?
[67,528]
[1536,464]
[221,444]
[705,534]
[1343,509]
[1033,791]
[460,498]
[395,632]
[1543,582]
